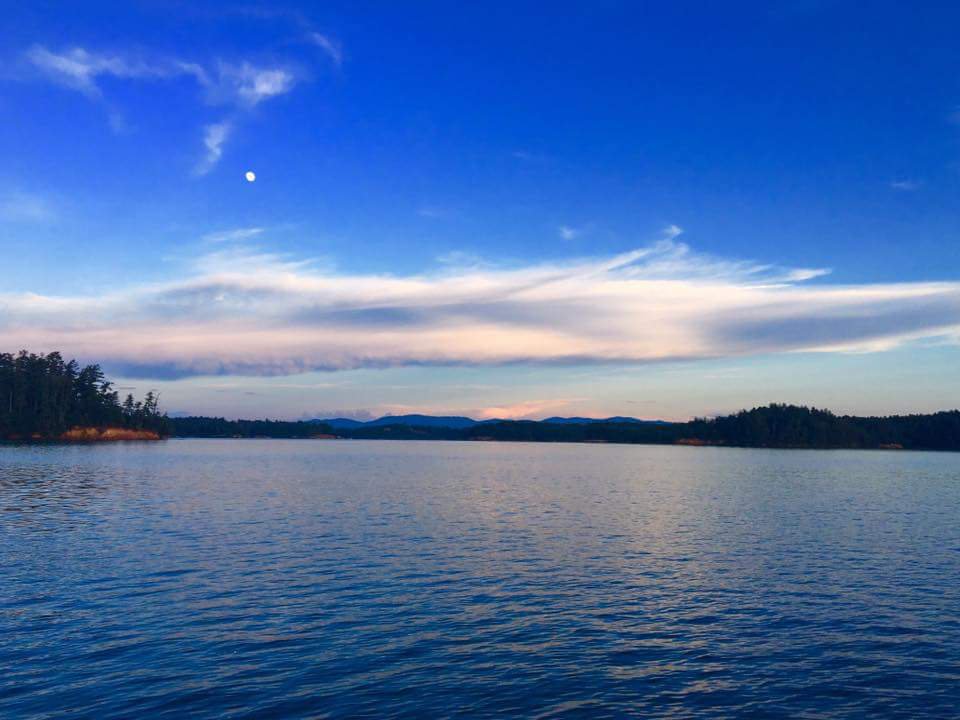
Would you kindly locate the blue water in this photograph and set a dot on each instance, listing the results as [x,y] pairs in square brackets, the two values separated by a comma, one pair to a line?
[285,579]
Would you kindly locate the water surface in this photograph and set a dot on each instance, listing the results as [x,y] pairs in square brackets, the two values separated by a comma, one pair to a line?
[279,579]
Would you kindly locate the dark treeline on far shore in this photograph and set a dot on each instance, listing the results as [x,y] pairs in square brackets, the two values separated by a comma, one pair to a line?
[43,396]
[774,426]
[213,427]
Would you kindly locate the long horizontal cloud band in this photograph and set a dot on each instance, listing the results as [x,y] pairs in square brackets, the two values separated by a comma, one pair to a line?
[240,312]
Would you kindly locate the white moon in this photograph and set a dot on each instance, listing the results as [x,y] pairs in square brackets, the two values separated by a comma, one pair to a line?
[250,176]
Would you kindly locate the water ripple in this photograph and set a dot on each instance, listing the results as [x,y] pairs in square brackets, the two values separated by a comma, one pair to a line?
[278,579]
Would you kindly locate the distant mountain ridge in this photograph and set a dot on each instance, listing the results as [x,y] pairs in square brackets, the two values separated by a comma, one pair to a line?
[588,421]
[460,422]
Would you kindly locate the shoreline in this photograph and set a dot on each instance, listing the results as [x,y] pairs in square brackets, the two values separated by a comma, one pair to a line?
[482,439]
[87,435]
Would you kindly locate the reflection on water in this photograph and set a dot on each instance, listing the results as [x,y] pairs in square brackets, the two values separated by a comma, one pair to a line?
[332,579]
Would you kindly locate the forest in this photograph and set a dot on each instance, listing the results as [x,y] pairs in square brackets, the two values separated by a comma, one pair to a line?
[43,396]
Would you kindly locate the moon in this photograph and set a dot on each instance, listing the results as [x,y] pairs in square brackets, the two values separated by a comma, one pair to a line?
[250,175]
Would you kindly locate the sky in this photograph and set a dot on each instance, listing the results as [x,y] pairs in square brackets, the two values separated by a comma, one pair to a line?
[655,209]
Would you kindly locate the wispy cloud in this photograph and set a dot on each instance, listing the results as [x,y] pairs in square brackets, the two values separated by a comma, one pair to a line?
[568,233]
[430,211]
[329,45]
[22,207]
[234,235]
[241,86]
[214,138]
[80,69]
[246,312]
[247,85]
[905,185]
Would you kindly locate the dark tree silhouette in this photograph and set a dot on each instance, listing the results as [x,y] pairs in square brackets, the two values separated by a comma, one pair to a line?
[41,395]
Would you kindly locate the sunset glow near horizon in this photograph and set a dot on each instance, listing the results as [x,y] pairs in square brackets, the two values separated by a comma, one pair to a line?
[488,211]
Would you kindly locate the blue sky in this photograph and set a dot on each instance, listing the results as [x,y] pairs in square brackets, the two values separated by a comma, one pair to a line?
[654,209]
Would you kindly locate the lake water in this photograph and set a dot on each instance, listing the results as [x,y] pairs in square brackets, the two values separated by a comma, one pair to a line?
[283,579]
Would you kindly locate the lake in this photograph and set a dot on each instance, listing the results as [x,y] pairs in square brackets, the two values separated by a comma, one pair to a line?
[287,579]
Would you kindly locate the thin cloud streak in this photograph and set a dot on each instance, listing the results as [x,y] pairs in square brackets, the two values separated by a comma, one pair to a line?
[905,185]
[331,47]
[244,312]
[234,235]
[214,138]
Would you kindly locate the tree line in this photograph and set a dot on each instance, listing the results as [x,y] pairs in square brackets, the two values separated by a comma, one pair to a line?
[44,396]
[791,426]
[771,426]
[218,427]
